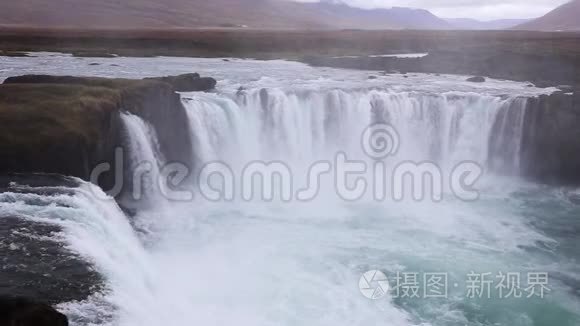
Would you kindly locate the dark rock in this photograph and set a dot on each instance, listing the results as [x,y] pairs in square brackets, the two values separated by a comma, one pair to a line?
[565,88]
[93,54]
[543,84]
[551,140]
[13,54]
[25,312]
[477,79]
[372,77]
[94,64]
[78,127]
[80,123]
[189,82]
[226,60]
[69,80]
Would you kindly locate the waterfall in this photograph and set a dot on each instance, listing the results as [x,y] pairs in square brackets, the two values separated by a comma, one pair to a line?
[94,228]
[231,263]
[309,125]
[144,156]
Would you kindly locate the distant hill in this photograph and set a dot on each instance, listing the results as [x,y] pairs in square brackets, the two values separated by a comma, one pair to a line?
[563,18]
[474,24]
[327,14]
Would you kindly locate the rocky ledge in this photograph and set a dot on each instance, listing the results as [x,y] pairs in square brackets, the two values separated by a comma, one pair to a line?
[68,125]
[551,148]
[24,312]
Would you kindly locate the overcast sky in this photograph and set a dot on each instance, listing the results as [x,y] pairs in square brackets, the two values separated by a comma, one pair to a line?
[479,9]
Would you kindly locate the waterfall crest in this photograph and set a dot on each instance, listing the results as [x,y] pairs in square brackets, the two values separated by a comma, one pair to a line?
[299,126]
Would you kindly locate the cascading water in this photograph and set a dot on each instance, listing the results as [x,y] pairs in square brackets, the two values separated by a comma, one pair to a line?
[144,156]
[298,126]
[258,263]
[98,231]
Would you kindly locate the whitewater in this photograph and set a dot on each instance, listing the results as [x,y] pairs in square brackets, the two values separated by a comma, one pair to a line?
[300,263]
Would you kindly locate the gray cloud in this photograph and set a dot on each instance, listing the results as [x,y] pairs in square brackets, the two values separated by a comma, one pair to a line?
[479,9]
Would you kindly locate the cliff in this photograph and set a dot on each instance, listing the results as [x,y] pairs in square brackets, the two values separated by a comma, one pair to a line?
[551,148]
[69,125]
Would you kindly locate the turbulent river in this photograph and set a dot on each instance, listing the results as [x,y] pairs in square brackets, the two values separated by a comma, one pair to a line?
[508,256]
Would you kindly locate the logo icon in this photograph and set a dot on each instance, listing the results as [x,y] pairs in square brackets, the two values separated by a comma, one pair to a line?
[374,285]
[380,140]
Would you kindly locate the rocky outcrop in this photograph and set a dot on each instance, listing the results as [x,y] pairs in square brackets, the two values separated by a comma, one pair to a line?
[57,128]
[188,82]
[476,79]
[25,312]
[551,148]
[69,125]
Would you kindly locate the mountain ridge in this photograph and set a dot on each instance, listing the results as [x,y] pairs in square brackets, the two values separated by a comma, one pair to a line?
[475,24]
[329,14]
[564,18]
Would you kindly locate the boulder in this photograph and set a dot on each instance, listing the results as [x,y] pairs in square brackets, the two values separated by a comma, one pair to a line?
[189,82]
[566,88]
[93,54]
[476,79]
[25,312]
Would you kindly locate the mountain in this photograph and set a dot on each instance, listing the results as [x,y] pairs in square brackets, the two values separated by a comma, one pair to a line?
[327,14]
[394,18]
[474,24]
[563,18]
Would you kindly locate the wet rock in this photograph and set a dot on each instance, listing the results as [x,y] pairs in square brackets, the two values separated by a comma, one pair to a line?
[543,84]
[93,54]
[13,54]
[26,312]
[551,139]
[565,88]
[476,79]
